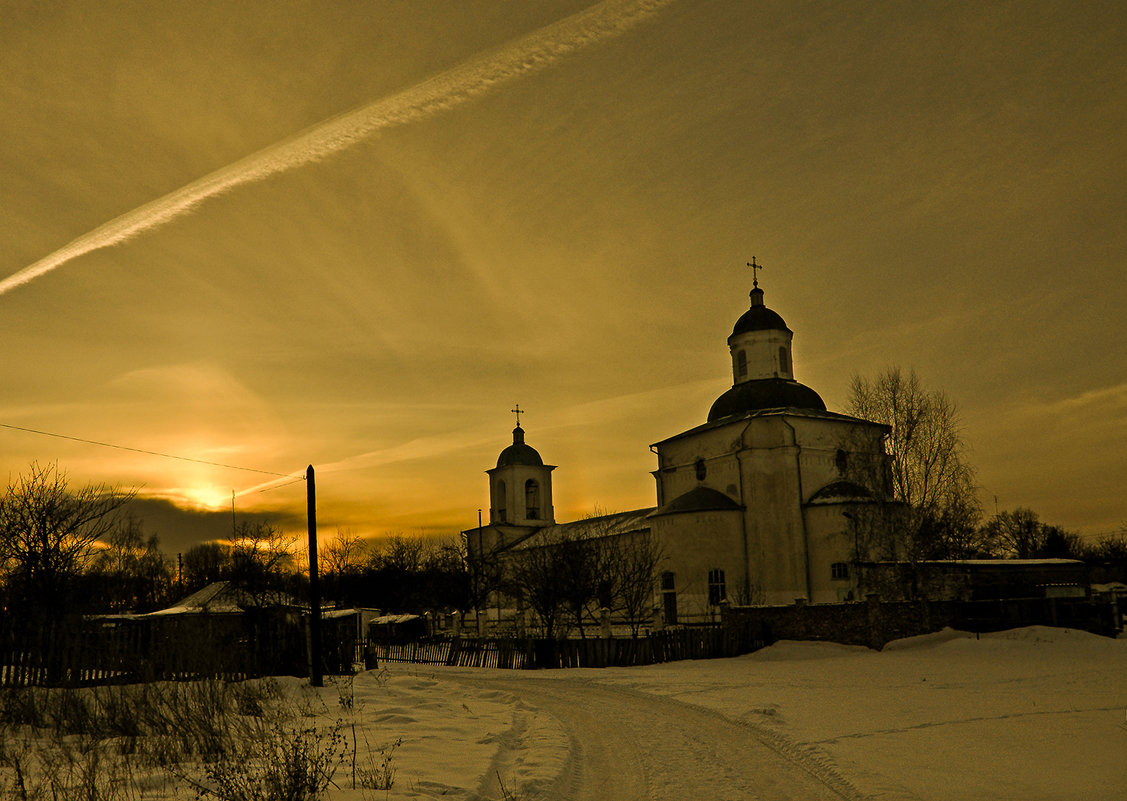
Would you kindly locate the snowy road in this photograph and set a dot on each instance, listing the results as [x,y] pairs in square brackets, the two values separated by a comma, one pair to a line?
[630,745]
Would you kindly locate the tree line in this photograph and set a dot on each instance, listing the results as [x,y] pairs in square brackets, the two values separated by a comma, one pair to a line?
[928,506]
[68,551]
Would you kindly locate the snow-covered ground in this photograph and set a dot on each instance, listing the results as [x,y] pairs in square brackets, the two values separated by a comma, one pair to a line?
[1035,713]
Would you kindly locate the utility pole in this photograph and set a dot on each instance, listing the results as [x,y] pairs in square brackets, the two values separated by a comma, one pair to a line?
[316,679]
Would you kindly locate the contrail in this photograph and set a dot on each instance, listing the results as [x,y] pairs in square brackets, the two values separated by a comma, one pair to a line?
[446,90]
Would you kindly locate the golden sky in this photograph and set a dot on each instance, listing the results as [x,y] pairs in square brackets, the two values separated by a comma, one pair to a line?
[550,204]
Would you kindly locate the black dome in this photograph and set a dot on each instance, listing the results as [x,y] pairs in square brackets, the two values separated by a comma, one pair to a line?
[519,453]
[765,393]
[759,317]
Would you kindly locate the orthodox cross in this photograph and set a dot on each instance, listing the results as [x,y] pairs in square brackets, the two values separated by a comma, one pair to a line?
[517,410]
[754,277]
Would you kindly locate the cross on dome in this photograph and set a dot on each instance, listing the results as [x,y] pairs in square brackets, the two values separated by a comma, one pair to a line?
[517,410]
[754,277]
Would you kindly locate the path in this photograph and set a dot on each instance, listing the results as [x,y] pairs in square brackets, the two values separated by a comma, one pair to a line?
[629,746]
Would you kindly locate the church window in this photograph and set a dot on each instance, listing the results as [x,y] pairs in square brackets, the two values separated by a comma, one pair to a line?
[839,570]
[841,460]
[717,591]
[531,500]
[501,495]
[741,364]
[784,360]
[701,468]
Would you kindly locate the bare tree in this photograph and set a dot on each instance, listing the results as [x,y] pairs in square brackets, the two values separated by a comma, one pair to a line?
[536,577]
[927,473]
[47,534]
[635,563]
[1018,534]
[400,552]
[262,558]
[206,563]
[344,554]
[130,571]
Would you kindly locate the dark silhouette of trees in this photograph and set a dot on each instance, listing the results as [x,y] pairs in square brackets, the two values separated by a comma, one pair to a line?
[48,533]
[129,574]
[635,564]
[927,472]
[263,561]
[568,580]
[536,577]
[205,564]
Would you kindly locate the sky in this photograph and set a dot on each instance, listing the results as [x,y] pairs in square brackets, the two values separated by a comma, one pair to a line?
[356,235]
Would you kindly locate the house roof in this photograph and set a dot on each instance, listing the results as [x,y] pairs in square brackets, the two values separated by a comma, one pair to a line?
[222,597]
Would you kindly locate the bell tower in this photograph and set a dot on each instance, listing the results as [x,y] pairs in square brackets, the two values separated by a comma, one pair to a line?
[520,486]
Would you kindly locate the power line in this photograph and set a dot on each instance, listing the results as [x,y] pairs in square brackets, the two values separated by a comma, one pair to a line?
[142,450]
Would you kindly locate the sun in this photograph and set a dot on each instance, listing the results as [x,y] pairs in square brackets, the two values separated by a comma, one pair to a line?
[206,497]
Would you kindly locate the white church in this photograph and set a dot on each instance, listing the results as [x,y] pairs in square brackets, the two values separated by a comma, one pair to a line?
[753,505]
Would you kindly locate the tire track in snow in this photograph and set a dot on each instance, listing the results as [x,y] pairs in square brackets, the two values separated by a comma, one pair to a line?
[627,744]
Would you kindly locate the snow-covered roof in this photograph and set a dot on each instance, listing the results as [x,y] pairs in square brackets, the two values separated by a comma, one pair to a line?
[591,528]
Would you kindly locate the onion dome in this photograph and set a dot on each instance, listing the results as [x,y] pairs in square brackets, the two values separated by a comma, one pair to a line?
[765,393]
[759,317]
[519,453]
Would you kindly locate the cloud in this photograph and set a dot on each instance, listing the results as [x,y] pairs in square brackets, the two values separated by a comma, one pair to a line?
[471,79]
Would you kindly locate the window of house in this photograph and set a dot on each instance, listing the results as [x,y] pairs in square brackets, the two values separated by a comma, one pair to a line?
[784,360]
[532,500]
[839,570]
[741,364]
[669,598]
[717,591]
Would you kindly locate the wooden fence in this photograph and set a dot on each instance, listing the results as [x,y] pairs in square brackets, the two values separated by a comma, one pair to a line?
[697,642]
[80,651]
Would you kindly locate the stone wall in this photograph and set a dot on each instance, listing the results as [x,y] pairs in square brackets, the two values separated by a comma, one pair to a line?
[874,623]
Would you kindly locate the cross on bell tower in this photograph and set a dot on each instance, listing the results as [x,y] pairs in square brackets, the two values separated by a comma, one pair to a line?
[754,276]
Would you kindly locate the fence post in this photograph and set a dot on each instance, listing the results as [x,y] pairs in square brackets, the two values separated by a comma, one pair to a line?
[876,627]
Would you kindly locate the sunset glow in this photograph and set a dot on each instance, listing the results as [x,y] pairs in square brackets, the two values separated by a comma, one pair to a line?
[240,240]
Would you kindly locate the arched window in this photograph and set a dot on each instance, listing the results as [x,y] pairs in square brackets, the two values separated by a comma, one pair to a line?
[784,360]
[701,468]
[531,500]
[501,495]
[741,364]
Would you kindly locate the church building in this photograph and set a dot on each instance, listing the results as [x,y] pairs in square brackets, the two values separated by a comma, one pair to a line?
[754,505]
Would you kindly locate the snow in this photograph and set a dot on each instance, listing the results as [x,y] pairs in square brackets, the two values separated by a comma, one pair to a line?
[1033,713]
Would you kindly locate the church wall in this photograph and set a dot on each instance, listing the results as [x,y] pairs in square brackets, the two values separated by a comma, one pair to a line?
[772,464]
[717,450]
[692,545]
[773,513]
[830,544]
